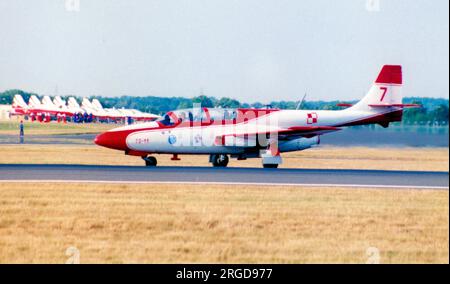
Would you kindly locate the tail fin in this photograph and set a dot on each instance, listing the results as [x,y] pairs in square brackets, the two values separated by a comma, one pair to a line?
[18,101]
[96,103]
[385,91]
[34,101]
[59,102]
[86,103]
[72,102]
[47,101]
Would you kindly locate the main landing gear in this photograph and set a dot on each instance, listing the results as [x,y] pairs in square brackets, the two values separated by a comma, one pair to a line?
[150,161]
[219,160]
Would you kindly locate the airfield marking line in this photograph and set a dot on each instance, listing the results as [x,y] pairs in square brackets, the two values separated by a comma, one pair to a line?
[234,183]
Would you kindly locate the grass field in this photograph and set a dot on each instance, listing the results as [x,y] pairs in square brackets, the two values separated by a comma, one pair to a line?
[421,159]
[186,223]
[35,128]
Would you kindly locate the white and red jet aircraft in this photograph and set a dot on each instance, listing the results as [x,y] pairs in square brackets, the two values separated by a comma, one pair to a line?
[36,109]
[19,106]
[255,133]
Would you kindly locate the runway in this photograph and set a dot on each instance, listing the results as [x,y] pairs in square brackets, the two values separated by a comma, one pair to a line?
[209,175]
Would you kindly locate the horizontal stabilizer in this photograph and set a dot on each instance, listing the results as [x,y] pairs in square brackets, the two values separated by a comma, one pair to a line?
[397,105]
[344,105]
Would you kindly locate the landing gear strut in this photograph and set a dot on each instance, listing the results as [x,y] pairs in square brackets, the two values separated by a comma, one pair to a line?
[219,160]
[150,161]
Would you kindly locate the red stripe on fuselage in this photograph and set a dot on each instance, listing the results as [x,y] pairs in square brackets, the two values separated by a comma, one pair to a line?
[382,119]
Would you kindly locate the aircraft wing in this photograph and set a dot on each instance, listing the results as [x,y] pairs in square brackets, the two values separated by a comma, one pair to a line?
[307,131]
[283,133]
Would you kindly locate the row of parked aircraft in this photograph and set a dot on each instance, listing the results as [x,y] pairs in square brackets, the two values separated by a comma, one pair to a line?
[47,108]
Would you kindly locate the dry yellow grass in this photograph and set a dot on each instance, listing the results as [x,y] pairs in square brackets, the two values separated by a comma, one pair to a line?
[220,224]
[428,159]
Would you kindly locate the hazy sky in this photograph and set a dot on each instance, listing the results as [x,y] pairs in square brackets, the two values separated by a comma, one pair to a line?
[252,50]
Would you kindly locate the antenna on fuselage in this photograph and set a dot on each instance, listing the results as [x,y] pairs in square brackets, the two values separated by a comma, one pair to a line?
[300,103]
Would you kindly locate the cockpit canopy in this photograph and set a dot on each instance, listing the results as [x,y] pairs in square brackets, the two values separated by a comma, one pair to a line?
[197,115]
[210,115]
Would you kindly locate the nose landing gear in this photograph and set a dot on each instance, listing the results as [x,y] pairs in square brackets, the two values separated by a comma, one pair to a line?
[150,161]
[219,160]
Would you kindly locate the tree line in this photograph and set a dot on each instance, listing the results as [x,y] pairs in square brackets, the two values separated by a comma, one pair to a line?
[435,111]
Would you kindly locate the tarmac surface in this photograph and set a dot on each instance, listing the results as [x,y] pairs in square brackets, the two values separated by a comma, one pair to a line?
[210,175]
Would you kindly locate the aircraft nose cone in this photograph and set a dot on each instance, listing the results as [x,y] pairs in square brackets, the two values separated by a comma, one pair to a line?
[98,140]
[113,140]
[101,140]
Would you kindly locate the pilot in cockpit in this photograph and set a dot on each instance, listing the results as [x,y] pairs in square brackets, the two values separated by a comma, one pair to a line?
[166,120]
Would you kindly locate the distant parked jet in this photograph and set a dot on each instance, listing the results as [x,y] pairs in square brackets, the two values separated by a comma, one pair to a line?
[124,113]
[19,106]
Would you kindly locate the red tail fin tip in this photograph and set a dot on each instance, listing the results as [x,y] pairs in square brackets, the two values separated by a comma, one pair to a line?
[390,74]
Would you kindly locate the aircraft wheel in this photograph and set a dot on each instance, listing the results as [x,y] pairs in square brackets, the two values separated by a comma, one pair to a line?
[219,160]
[270,166]
[150,161]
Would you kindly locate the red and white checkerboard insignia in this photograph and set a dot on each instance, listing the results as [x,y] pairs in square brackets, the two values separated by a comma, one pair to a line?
[312,118]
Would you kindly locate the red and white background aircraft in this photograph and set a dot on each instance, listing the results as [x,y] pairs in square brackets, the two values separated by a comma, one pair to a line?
[59,110]
[35,109]
[255,133]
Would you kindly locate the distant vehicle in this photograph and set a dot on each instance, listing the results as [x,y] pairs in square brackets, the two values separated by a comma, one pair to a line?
[255,133]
